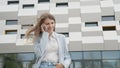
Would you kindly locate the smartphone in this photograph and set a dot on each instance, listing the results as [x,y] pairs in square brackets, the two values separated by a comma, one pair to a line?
[44,27]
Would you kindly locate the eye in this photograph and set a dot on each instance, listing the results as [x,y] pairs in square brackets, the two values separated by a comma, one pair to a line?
[52,23]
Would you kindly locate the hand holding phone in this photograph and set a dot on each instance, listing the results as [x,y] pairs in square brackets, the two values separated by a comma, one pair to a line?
[44,28]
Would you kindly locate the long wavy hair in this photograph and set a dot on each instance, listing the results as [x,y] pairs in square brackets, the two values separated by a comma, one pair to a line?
[37,28]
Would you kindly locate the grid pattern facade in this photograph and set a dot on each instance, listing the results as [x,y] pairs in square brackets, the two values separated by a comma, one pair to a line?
[88,24]
[91,27]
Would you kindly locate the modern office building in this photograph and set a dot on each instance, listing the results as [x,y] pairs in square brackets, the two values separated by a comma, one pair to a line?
[91,27]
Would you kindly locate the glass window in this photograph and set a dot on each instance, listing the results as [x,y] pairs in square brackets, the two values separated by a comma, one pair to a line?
[76,55]
[109,28]
[92,64]
[61,4]
[77,65]
[24,60]
[71,65]
[11,32]
[27,64]
[26,26]
[111,64]
[96,64]
[66,34]
[40,1]
[108,18]
[111,54]
[22,36]
[13,2]
[1,57]
[91,24]
[28,6]
[11,22]
[10,61]
[88,64]
[92,55]
[25,57]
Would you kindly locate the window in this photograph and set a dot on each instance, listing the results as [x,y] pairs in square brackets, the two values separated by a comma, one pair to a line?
[92,55]
[111,64]
[66,34]
[108,18]
[22,36]
[40,1]
[28,6]
[26,26]
[17,60]
[109,28]
[111,55]
[11,22]
[61,4]
[91,24]
[11,32]
[13,2]
[25,56]
[76,55]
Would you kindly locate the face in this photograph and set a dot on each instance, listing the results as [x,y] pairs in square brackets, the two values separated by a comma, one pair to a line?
[50,24]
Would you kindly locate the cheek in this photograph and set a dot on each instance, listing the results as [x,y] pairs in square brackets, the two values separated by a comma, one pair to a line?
[53,26]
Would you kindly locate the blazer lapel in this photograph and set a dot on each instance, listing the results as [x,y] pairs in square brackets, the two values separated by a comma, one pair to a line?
[60,48]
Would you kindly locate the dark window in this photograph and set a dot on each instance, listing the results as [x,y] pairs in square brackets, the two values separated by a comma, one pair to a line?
[13,2]
[22,36]
[11,22]
[91,24]
[66,34]
[11,32]
[28,6]
[109,28]
[108,18]
[61,4]
[26,26]
[40,1]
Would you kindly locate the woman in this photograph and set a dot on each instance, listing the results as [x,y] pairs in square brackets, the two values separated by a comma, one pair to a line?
[50,48]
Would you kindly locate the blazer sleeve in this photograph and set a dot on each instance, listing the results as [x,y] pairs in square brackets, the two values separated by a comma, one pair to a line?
[41,41]
[67,59]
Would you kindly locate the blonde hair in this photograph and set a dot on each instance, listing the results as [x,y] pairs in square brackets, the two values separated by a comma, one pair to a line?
[37,28]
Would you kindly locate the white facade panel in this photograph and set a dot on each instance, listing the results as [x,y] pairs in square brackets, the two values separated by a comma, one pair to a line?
[75,36]
[92,39]
[108,23]
[43,6]
[7,39]
[110,35]
[74,5]
[74,20]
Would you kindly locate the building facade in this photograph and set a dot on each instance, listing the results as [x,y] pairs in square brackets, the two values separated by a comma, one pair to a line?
[91,27]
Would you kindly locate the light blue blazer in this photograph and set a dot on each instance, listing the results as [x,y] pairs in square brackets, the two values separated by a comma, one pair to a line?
[40,46]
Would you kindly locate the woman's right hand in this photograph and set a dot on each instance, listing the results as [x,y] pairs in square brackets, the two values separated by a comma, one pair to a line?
[44,28]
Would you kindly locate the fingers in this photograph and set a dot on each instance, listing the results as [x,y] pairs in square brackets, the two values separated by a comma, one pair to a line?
[44,28]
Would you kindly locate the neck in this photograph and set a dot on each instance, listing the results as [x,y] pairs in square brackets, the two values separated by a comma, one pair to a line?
[50,33]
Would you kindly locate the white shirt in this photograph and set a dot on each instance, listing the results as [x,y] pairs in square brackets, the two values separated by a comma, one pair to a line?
[52,50]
